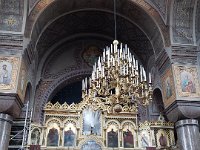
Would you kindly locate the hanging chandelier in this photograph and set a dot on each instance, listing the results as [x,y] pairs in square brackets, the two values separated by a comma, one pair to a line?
[118,80]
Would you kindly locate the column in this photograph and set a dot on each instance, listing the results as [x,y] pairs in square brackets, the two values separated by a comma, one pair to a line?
[188,134]
[5,128]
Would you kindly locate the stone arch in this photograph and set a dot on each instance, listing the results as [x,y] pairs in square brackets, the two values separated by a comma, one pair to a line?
[158,102]
[28,93]
[27,100]
[55,86]
[38,19]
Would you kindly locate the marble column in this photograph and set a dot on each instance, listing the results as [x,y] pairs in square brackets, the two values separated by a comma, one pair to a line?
[188,134]
[5,128]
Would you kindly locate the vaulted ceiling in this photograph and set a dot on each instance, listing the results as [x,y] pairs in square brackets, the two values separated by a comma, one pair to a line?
[96,24]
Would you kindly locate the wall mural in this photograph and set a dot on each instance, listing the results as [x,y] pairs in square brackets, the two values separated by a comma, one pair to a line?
[186,81]
[168,87]
[91,55]
[9,67]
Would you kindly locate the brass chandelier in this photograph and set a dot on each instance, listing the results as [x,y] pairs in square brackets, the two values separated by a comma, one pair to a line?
[118,80]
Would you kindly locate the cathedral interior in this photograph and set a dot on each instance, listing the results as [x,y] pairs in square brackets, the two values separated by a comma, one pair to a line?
[99,74]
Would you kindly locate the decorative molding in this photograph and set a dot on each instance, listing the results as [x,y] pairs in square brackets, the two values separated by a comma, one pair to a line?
[11,15]
[160,6]
[182,25]
[184,54]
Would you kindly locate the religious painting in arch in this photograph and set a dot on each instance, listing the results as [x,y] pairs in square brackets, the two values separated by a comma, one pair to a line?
[112,136]
[144,139]
[91,145]
[52,137]
[69,135]
[128,136]
[35,136]
[91,122]
[187,82]
[162,138]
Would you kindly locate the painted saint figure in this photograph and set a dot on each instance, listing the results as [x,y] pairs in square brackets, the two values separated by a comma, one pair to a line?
[52,139]
[128,139]
[168,88]
[112,138]
[163,140]
[69,138]
[144,141]
[187,82]
[35,137]
[4,75]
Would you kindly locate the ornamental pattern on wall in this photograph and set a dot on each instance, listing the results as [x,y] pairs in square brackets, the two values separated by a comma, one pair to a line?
[11,15]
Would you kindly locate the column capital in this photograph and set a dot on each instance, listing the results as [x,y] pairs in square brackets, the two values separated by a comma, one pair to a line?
[186,122]
[10,104]
[6,117]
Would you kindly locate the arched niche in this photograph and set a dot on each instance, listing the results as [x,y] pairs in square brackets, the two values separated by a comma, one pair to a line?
[27,100]
[156,106]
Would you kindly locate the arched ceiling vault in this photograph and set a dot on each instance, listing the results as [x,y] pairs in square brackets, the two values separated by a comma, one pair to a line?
[96,24]
[47,15]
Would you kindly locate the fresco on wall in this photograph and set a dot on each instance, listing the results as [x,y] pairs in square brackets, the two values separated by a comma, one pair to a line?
[168,87]
[5,72]
[187,81]
[91,54]
[9,67]
[112,138]
[52,138]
